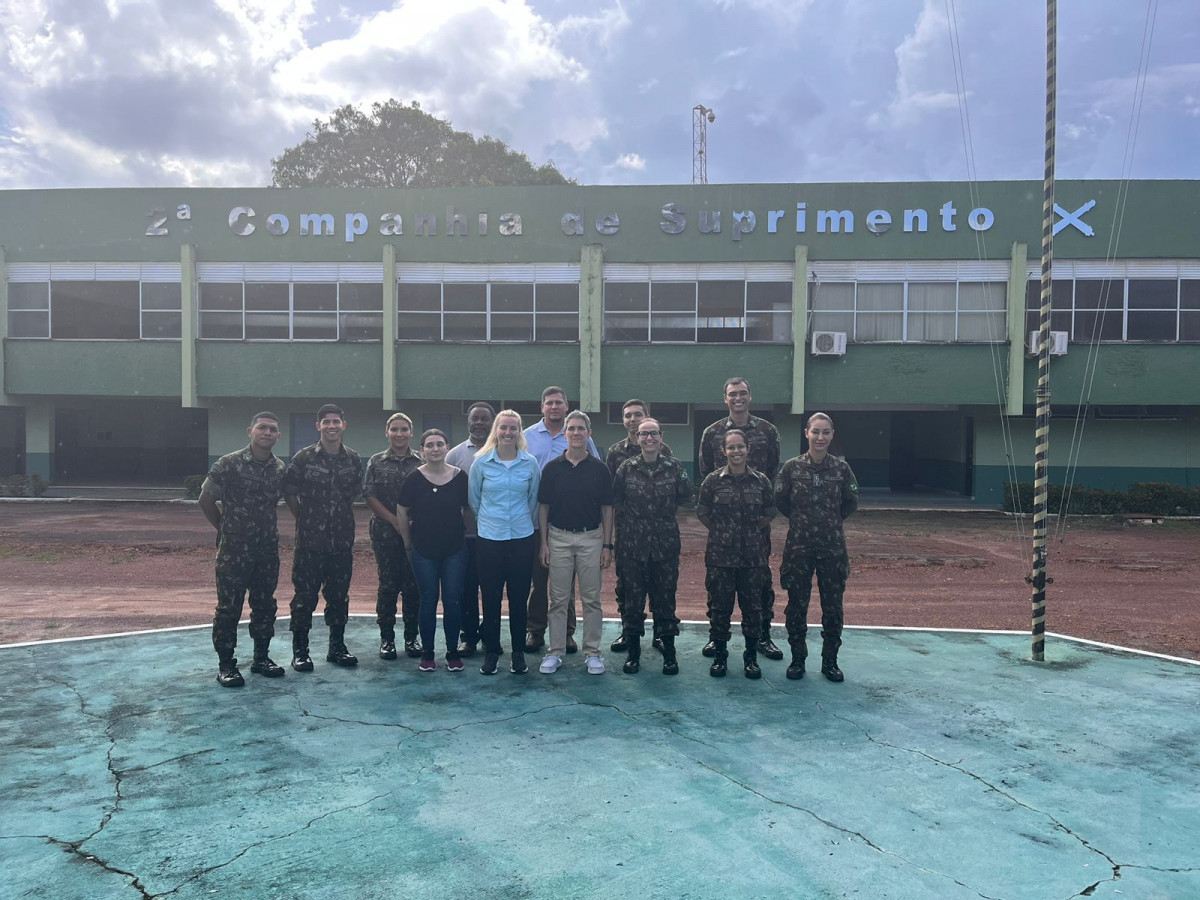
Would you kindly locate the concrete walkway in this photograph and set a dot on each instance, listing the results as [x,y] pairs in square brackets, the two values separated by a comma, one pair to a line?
[945,766]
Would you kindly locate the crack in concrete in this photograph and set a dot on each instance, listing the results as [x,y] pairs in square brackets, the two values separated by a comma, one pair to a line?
[1059,825]
[76,848]
[416,732]
[839,828]
[166,762]
[281,837]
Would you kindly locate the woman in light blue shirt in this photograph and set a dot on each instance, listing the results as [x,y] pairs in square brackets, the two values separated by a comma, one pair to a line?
[503,490]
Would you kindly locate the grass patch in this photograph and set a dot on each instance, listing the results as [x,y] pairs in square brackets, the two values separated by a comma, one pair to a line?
[27,554]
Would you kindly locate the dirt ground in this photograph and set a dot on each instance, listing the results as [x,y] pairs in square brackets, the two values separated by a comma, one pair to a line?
[80,568]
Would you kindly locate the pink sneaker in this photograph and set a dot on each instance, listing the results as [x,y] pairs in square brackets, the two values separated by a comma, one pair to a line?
[454,665]
[427,665]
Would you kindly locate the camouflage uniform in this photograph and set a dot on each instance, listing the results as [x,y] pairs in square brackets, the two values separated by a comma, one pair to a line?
[816,498]
[617,454]
[736,554]
[762,439]
[646,495]
[386,473]
[247,544]
[324,560]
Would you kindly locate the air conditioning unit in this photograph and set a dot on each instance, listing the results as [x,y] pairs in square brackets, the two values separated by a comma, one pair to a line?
[829,343]
[1058,343]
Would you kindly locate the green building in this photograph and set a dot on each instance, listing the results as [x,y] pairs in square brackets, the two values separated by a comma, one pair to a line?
[143,327]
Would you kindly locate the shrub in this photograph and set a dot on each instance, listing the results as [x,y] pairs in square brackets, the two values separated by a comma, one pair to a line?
[23,486]
[192,485]
[1154,498]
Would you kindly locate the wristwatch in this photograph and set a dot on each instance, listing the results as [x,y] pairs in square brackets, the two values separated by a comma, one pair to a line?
[606,546]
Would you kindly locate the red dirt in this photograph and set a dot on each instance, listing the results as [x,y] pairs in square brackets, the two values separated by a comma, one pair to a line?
[80,568]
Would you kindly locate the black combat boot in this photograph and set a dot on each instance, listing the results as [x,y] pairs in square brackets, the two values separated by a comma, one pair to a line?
[795,671]
[710,649]
[413,648]
[338,654]
[767,647]
[263,664]
[387,645]
[750,661]
[670,661]
[620,645]
[227,673]
[633,644]
[720,659]
[829,655]
[829,668]
[301,661]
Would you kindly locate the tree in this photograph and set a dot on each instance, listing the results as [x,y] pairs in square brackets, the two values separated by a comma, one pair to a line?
[399,146]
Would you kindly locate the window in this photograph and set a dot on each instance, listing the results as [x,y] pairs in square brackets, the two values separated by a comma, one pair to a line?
[1152,309]
[627,312]
[556,314]
[161,303]
[220,311]
[1189,310]
[982,311]
[465,312]
[360,311]
[95,310]
[880,312]
[914,311]
[697,310]
[29,309]
[518,312]
[419,317]
[672,312]
[291,311]
[1117,309]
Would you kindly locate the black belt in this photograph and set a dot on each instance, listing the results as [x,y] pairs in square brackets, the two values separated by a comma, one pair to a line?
[575,530]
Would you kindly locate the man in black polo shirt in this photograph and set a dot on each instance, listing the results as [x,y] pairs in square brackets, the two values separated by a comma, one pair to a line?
[575,514]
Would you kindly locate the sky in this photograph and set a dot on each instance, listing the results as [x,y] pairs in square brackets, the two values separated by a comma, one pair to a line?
[203,93]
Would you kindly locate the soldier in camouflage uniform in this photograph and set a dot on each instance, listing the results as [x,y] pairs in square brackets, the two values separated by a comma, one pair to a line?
[647,492]
[632,413]
[319,488]
[763,440]
[735,504]
[386,473]
[247,485]
[816,491]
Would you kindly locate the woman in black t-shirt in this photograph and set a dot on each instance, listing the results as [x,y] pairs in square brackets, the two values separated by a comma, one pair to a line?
[431,510]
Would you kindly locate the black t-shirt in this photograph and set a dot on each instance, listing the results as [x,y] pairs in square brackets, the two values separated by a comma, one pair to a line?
[575,492]
[435,513]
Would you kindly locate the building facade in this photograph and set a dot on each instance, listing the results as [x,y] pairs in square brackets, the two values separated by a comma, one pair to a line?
[142,327]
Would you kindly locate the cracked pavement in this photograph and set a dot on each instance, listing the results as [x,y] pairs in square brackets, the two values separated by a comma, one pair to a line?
[946,768]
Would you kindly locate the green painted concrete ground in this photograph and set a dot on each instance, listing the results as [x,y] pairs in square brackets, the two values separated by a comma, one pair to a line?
[945,766]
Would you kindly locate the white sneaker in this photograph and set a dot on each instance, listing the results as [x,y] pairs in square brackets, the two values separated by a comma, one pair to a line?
[550,664]
[595,665]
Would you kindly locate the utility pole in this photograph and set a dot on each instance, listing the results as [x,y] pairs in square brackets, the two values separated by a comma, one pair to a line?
[701,117]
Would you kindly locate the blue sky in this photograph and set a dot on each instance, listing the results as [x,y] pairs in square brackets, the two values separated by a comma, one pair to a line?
[146,92]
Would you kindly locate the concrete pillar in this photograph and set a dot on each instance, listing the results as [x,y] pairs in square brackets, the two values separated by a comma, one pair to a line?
[389,327]
[591,325]
[39,438]
[799,327]
[4,401]
[1018,277]
[189,320]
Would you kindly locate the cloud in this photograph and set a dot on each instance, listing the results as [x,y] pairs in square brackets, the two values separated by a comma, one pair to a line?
[630,161]
[731,54]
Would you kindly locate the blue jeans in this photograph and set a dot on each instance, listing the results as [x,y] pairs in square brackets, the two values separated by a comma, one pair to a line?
[446,574]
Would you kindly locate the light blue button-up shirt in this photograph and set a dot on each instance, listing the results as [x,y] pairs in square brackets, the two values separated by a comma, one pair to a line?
[545,446]
[504,498]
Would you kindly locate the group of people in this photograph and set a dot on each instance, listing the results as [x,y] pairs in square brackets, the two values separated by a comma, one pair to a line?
[528,513]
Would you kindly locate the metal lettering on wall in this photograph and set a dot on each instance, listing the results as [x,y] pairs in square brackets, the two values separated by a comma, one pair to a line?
[673,219]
